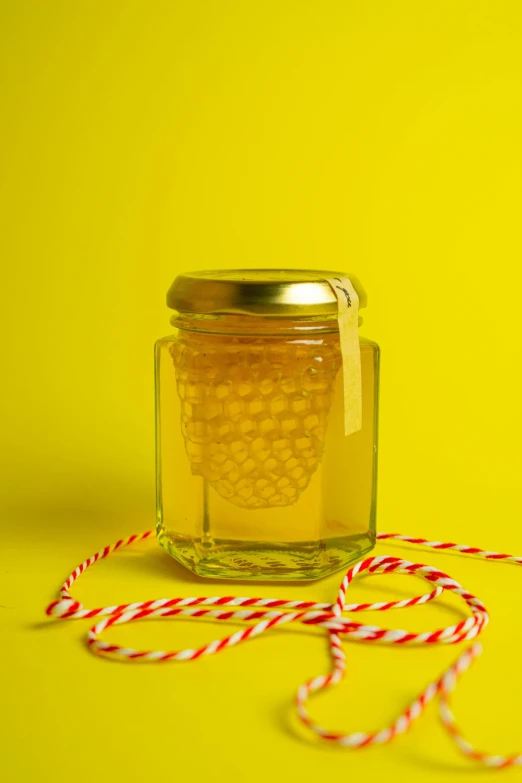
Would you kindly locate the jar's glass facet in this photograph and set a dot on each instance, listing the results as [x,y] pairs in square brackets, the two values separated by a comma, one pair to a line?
[255,477]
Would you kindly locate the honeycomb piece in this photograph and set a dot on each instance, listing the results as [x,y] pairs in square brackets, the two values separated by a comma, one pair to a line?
[254,413]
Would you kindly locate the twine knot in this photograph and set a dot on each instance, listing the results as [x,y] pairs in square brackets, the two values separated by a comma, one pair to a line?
[65,607]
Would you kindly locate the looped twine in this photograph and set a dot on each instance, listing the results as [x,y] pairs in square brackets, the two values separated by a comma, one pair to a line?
[271,612]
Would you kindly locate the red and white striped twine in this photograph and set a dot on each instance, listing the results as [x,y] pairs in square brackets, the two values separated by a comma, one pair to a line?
[270,612]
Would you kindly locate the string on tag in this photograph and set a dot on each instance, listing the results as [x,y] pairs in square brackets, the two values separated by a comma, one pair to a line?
[270,613]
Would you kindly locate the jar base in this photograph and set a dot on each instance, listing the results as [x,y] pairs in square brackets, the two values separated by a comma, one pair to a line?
[262,561]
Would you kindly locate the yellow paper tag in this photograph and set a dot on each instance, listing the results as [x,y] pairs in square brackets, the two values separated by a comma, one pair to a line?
[348,318]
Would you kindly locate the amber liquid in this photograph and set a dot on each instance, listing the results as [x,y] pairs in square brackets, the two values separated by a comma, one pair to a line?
[256,479]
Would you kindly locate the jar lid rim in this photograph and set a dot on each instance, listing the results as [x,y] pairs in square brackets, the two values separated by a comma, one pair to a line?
[279,292]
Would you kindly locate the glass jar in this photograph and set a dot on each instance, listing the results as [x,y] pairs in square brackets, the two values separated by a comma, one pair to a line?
[255,477]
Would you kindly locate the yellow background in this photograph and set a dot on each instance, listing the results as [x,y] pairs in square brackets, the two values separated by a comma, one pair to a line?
[141,139]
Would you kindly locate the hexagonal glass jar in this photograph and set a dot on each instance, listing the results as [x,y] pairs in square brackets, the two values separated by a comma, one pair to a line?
[255,477]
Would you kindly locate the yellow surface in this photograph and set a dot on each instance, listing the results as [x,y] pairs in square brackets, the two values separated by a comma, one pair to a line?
[141,139]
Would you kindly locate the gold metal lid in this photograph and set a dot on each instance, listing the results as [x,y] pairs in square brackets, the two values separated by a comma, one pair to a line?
[270,292]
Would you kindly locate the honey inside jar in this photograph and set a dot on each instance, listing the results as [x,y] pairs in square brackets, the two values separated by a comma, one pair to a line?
[255,476]
[254,413]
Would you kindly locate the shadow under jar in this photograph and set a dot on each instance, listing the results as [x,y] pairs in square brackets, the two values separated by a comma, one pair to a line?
[255,477]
